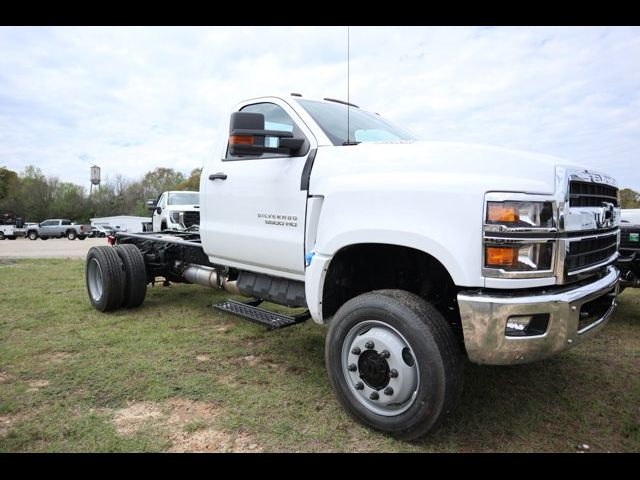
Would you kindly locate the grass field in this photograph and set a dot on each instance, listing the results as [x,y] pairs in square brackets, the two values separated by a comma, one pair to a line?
[176,375]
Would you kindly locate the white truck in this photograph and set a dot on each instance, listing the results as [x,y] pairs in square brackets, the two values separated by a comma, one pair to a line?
[414,254]
[175,210]
[11,227]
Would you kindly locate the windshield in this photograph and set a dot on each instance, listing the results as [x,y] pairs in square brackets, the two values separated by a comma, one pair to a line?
[184,198]
[363,126]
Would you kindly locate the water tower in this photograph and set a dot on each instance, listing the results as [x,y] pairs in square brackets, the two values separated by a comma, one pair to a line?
[94,177]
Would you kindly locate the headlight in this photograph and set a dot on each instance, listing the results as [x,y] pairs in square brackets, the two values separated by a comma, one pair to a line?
[520,214]
[520,236]
[528,257]
[175,217]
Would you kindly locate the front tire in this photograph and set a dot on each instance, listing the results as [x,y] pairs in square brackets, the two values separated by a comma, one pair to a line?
[394,363]
[32,235]
[105,278]
[81,237]
[2,236]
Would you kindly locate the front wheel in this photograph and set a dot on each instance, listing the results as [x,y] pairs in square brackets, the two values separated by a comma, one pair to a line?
[2,236]
[81,237]
[394,363]
[32,235]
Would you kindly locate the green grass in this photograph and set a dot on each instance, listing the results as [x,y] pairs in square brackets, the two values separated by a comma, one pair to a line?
[68,371]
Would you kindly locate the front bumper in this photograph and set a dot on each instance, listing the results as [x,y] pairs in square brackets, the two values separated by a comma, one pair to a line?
[484,320]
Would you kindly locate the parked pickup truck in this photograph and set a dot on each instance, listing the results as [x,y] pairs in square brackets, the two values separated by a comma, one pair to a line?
[177,210]
[58,228]
[629,260]
[11,227]
[414,254]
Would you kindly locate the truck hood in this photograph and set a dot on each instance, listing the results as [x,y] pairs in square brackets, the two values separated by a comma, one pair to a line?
[488,168]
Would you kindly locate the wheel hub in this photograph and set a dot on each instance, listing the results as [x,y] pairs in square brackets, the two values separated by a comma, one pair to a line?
[380,368]
[374,369]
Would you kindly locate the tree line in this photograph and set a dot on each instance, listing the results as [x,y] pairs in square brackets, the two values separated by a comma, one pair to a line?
[35,197]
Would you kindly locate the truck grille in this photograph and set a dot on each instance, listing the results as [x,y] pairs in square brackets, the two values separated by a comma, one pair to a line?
[630,238]
[590,251]
[191,218]
[585,194]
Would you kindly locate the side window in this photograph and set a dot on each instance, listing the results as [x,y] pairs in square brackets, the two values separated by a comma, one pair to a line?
[48,223]
[275,118]
[66,222]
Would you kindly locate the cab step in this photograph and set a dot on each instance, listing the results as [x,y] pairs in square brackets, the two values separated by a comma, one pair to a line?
[249,311]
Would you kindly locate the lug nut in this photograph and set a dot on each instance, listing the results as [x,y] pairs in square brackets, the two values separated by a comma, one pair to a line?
[393,373]
[374,396]
[352,367]
[356,351]
[388,391]
[369,345]
[385,354]
[359,386]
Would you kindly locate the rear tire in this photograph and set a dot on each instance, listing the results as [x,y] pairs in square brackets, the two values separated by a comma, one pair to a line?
[71,235]
[105,278]
[81,237]
[136,275]
[32,235]
[412,361]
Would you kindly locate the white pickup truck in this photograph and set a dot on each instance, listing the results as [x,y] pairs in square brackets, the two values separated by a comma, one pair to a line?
[413,253]
[177,210]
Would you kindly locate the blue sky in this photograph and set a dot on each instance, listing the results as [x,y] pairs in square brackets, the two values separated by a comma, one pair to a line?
[132,99]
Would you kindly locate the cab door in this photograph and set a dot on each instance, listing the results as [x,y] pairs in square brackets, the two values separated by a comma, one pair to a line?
[254,209]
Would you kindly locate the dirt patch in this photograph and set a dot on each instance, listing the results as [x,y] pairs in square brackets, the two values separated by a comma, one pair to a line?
[202,357]
[173,418]
[224,328]
[211,440]
[56,357]
[181,411]
[5,377]
[251,360]
[7,422]
[36,385]
[130,419]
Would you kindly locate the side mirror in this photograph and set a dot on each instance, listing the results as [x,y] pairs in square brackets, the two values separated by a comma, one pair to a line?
[151,204]
[247,136]
[158,210]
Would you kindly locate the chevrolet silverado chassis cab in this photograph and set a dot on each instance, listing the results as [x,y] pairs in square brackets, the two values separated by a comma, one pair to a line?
[414,254]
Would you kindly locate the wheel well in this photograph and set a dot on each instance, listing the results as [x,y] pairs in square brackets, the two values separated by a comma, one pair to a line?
[362,268]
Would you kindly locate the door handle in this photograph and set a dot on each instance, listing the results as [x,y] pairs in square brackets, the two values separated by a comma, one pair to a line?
[218,176]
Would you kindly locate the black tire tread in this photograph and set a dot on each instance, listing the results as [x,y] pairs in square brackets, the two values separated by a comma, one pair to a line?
[136,273]
[113,277]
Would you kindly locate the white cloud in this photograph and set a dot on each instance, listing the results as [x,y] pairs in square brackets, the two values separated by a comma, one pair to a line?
[131,99]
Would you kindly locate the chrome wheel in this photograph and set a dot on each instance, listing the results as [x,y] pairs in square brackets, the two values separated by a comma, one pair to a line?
[380,368]
[94,277]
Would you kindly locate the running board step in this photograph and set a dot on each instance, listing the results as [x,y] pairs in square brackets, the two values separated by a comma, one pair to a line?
[271,320]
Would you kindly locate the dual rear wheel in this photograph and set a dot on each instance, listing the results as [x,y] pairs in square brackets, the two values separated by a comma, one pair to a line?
[116,277]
